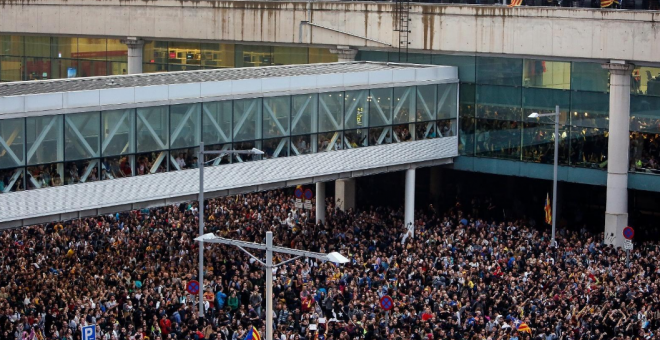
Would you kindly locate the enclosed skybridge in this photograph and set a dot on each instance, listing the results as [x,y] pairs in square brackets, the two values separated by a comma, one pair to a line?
[80,147]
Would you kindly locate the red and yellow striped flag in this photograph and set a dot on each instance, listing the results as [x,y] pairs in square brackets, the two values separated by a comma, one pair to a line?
[515,3]
[548,210]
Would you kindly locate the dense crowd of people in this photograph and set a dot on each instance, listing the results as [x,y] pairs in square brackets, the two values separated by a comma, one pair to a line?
[460,276]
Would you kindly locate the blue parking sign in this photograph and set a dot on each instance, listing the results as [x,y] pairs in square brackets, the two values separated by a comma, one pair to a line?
[89,332]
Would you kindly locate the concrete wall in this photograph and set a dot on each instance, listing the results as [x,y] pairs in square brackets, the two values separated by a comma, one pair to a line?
[527,31]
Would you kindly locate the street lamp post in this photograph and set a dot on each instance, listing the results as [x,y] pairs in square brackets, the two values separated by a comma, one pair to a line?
[269,248]
[200,165]
[553,242]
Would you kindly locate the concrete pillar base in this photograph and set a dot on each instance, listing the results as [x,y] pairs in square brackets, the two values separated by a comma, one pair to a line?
[345,193]
[614,224]
[344,53]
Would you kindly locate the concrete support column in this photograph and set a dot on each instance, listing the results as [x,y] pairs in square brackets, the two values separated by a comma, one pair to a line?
[320,202]
[345,193]
[135,48]
[409,217]
[616,211]
[345,53]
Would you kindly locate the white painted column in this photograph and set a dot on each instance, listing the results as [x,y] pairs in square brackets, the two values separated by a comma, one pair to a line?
[345,193]
[320,202]
[135,49]
[345,53]
[409,217]
[616,211]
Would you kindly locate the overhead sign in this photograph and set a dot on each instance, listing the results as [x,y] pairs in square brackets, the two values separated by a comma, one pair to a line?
[192,287]
[386,302]
[308,194]
[89,332]
[628,233]
[298,193]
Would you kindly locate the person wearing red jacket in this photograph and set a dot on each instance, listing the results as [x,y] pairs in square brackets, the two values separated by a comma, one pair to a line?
[165,325]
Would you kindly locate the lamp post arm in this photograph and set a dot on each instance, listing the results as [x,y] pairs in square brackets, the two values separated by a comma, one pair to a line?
[252,256]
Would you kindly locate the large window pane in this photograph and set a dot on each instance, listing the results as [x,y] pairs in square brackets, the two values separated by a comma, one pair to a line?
[646,80]
[499,71]
[544,101]
[547,74]
[12,143]
[11,45]
[276,113]
[645,114]
[426,102]
[92,49]
[356,107]
[302,145]
[249,145]
[45,175]
[425,130]
[380,135]
[446,128]
[82,135]
[253,56]
[539,143]
[82,171]
[467,112]
[183,159]
[402,133]
[151,163]
[64,47]
[118,128]
[590,109]
[184,53]
[152,128]
[304,115]
[116,51]
[247,119]
[217,122]
[589,77]
[185,129]
[330,141]
[645,133]
[117,167]
[38,68]
[447,101]
[155,52]
[11,69]
[588,147]
[404,105]
[466,65]
[499,102]
[380,107]
[321,55]
[284,55]
[331,111]
[217,55]
[356,138]
[44,139]
[497,125]
[37,46]
[275,148]
[11,180]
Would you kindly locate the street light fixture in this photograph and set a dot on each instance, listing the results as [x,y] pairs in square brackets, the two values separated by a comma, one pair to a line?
[269,248]
[200,165]
[553,242]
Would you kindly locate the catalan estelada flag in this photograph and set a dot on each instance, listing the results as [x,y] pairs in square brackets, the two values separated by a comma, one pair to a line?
[520,326]
[515,3]
[253,334]
[548,210]
[608,3]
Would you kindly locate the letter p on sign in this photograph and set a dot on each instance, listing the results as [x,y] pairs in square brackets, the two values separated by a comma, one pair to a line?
[89,333]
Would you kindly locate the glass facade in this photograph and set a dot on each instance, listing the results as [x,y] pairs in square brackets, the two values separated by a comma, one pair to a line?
[39,152]
[645,120]
[37,58]
[498,94]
